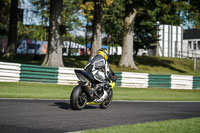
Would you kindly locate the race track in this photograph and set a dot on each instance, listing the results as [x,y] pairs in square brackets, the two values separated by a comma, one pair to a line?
[56,116]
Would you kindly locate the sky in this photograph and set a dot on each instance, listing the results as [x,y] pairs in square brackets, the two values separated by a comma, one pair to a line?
[30,18]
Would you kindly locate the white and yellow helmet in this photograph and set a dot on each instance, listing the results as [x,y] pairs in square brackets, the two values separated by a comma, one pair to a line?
[104,53]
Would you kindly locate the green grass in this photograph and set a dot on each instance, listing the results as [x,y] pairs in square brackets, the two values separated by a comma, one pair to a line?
[54,91]
[34,90]
[170,126]
[155,94]
[160,65]
[146,64]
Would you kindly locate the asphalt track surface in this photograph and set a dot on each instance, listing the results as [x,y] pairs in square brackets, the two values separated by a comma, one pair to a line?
[56,116]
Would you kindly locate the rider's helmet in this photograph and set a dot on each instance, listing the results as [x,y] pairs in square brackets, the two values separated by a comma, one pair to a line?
[104,53]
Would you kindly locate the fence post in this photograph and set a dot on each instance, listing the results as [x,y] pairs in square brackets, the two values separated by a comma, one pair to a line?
[176,49]
[195,60]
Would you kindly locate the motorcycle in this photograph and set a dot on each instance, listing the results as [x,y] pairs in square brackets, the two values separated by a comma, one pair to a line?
[84,93]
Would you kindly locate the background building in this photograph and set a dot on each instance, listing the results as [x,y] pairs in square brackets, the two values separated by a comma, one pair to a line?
[170,42]
[191,43]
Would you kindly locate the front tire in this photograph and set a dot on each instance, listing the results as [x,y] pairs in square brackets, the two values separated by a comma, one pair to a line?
[106,103]
[78,98]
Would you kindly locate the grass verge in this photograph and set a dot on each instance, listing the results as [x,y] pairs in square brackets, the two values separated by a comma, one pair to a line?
[54,91]
[170,126]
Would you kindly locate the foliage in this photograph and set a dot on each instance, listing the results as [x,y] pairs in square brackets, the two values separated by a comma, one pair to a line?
[169,11]
[193,14]
[87,10]
[32,31]
[70,15]
[113,23]
[4,17]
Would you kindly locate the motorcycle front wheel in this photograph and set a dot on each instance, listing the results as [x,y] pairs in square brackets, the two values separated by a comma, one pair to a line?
[106,103]
[78,98]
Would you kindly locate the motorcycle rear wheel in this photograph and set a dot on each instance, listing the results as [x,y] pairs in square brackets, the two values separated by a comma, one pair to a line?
[106,103]
[78,98]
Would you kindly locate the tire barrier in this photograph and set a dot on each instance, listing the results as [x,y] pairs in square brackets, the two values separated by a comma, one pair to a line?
[196,82]
[134,80]
[9,72]
[159,81]
[36,73]
[66,76]
[14,72]
[182,82]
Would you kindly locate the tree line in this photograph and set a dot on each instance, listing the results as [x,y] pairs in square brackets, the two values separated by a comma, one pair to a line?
[130,23]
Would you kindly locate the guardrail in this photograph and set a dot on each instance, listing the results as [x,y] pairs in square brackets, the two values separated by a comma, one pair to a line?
[67,76]
[196,82]
[14,72]
[134,80]
[182,82]
[9,72]
[159,81]
[35,73]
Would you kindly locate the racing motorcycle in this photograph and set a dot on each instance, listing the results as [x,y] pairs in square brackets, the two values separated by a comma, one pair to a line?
[84,93]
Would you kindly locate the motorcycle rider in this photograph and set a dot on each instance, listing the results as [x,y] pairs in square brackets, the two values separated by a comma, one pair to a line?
[99,68]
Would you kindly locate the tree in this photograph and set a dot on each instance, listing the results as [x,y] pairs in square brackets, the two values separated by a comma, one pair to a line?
[70,15]
[87,10]
[96,37]
[126,59]
[193,14]
[97,21]
[145,31]
[145,36]
[113,22]
[54,53]
[12,34]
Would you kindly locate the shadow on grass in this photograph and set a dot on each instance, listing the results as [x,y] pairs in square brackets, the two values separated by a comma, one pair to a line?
[153,61]
[67,106]
[25,59]
[149,61]
[75,61]
[69,61]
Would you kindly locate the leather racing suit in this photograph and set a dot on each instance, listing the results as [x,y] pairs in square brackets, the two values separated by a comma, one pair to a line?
[98,67]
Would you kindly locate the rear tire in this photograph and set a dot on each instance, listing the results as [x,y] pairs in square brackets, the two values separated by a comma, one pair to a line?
[106,103]
[78,98]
